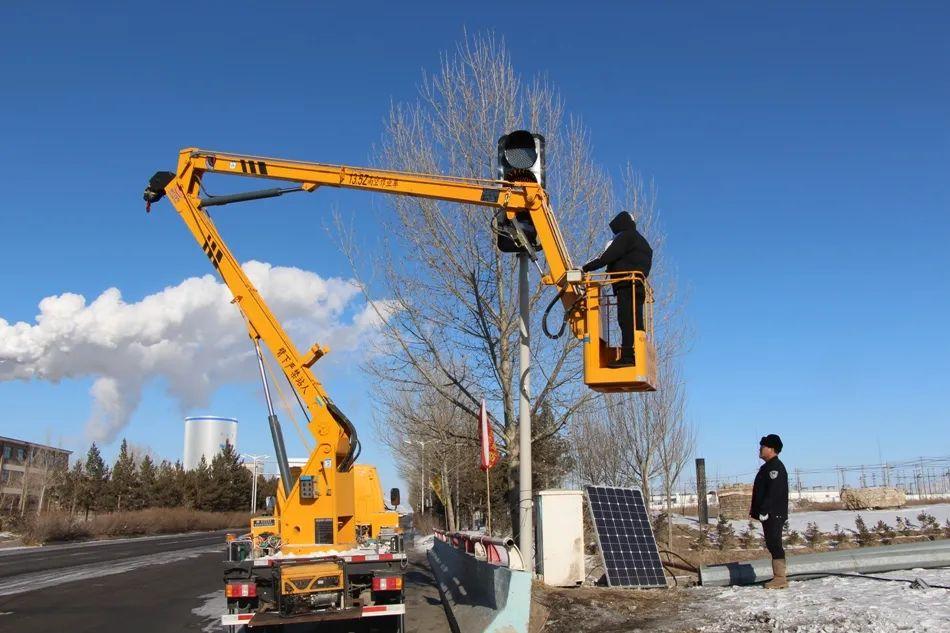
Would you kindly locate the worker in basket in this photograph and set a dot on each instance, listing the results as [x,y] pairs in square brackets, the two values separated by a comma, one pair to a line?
[628,251]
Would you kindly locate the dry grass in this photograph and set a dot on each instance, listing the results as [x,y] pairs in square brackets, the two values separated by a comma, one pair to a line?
[805,505]
[59,526]
[52,527]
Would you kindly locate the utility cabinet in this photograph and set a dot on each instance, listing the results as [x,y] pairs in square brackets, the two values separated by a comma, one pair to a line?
[559,517]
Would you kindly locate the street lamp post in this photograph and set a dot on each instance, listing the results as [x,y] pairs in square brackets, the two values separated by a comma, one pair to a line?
[422,478]
[256,460]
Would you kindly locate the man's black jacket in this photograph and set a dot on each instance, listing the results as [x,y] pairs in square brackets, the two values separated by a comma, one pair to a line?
[770,490]
[627,252]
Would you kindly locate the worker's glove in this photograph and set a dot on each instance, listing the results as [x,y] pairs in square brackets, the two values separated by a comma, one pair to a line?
[763,517]
[586,267]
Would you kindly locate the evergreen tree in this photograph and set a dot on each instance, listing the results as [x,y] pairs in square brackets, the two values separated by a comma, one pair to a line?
[701,542]
[749,536]
[94,483]
[218,495]
[550,451]
[230,481]
[904,528]
[813,536]
[169,490]
[864,535]
[180,483]
[124,485]
[725,533]
[929,525]
[266,487]
[793,538]
[69,489]
[885,532]
[197,486]
[147,483]
[840,536]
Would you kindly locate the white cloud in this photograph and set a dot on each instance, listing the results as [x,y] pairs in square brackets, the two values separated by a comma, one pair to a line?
[188,335]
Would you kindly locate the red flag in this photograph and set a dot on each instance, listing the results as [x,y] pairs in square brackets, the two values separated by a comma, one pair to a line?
[489,455]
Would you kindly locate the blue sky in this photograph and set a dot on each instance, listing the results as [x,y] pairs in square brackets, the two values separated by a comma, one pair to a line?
[800,153]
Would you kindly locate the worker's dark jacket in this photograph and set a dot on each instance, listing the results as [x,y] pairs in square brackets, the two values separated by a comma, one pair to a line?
[770,490]
[627,252]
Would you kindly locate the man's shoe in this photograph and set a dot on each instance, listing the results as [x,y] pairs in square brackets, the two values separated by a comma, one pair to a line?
[623,361]
[779,578]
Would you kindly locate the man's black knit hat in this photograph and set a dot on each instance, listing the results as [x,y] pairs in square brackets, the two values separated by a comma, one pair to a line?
[773,441]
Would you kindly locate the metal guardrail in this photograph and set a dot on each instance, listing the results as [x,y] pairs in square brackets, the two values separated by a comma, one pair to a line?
[497,551]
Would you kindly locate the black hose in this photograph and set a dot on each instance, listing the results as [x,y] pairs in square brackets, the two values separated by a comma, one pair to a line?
[676,582]
[694,569]
[547,311]
[355,448]
[564,319]
[868,577]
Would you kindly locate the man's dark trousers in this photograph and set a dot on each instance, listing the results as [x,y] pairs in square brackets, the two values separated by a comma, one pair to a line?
[625,312]
[772,528]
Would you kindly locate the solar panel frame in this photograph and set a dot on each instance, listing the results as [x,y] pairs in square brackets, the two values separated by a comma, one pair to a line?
[625,537]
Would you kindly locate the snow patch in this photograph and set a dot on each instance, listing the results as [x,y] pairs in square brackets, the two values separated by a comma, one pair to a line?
[828,605]
[423,544]
[214,606]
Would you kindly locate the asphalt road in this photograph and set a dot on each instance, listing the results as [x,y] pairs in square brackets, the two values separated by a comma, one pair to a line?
[159,585]
[18,561]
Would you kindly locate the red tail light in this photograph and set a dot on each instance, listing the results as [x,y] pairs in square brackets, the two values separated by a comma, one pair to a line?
[240,590]
[387,583]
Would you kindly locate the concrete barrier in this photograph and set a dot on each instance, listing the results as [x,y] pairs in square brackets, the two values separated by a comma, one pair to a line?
[480,597]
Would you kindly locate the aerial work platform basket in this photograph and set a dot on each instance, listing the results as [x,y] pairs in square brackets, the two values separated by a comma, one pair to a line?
[602,336]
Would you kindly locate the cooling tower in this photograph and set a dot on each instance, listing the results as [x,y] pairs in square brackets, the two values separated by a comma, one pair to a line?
[206,435]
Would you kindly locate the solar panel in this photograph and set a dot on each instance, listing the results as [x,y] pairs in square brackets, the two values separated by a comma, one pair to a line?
[625,537]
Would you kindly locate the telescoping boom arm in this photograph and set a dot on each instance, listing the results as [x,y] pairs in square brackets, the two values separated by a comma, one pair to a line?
[522,201]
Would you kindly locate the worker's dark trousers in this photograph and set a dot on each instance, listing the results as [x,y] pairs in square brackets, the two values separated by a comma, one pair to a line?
[772,527]
[625,312]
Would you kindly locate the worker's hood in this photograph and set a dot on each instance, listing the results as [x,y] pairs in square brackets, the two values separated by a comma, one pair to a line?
[622,222]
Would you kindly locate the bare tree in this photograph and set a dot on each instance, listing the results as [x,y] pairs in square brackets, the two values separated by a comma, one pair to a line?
[421,429]
[42,468]
[659,439]
[597,460]
[451,323]
[677,441]
[618,441]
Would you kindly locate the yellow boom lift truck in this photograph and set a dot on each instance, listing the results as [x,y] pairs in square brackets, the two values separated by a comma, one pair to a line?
[330,550]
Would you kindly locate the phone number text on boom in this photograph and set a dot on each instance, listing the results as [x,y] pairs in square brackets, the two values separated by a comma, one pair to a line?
[367,180]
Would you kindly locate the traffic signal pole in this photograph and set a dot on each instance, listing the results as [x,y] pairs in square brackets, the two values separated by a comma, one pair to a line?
[525,501]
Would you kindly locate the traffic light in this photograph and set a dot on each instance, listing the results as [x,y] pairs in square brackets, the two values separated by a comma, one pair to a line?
[520,159]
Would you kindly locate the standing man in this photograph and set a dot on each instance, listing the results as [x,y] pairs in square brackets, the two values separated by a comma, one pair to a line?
[627,252]
[770,505]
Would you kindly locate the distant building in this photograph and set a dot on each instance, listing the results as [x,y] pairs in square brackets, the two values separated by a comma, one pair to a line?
[27,470]
[817,494]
